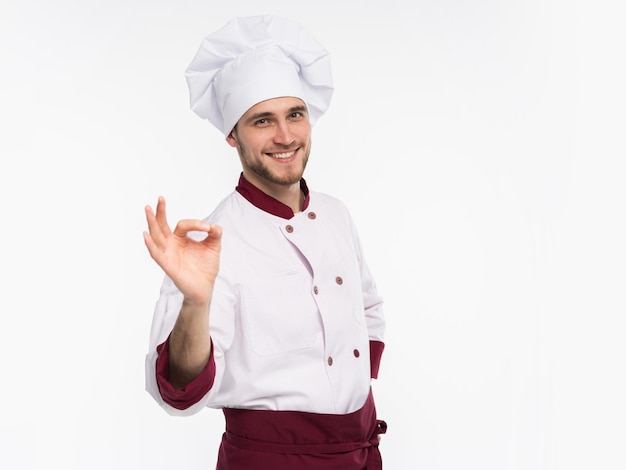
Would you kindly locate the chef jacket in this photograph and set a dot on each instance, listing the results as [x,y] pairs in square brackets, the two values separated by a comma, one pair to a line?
[295,319]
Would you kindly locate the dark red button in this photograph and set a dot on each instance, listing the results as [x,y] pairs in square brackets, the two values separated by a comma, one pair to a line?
[289,228]
[315,290]
[356,353]
[339,280]
[312,215]
[330,361]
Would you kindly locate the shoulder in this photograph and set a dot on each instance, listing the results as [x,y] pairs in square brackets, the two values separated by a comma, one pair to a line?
[228,208]
[327,201]
[333,209]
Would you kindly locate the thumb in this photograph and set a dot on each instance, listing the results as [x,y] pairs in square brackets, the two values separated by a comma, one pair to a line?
[214,233]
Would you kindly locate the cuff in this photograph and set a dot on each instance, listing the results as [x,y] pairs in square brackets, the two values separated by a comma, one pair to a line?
[376,352]
[193,392]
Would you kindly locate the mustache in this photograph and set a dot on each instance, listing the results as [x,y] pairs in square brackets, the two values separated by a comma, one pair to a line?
[293,146]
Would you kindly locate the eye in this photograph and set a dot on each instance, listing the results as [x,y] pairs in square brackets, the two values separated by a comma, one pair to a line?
[261,122]
[296,115]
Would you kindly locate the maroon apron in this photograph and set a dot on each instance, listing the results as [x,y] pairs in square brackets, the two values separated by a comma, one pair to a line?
[294,440]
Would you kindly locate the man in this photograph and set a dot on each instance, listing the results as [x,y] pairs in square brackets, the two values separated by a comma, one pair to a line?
[268,310]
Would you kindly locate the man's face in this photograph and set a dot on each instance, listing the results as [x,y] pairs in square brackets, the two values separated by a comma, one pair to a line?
[273,139]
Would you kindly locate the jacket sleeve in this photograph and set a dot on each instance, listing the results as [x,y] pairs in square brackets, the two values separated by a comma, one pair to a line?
[195,396]
[373,305]
[193,392]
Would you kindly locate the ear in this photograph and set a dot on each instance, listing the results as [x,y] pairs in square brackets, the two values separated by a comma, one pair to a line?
[231,139]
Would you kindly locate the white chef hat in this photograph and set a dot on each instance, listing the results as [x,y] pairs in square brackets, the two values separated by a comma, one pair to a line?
[253,59]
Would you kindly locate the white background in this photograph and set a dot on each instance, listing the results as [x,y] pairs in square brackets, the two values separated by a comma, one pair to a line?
[480,146]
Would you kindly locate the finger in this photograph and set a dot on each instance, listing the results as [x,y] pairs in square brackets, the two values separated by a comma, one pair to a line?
[161,217]
[214,236]
[213,240]
[183,227]
[215,232]
[154,228]
[153,249]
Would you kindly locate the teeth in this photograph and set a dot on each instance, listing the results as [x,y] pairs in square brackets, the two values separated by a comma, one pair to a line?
[283,155]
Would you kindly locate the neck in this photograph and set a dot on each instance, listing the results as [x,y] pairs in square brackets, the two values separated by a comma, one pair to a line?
[290,195]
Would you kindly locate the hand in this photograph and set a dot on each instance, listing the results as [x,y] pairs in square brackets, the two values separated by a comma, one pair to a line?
[192,265]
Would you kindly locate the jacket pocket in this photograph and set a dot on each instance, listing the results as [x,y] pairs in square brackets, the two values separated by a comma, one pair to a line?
[280,314]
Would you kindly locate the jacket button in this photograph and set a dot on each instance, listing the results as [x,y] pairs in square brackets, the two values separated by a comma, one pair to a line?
[315,290]
[330,360]
[339,280]
[356,353]
[289,228]
[312,215]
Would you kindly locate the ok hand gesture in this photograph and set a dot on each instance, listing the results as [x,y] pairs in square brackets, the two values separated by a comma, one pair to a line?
[192,265]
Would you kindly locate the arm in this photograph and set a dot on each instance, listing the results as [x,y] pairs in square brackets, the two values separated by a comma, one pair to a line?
[190,344]
[193,266]
[373,305]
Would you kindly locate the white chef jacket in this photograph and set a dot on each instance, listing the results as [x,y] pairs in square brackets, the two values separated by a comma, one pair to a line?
[293,311]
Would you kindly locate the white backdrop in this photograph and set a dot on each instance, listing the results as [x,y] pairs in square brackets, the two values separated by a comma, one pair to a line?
[480,146]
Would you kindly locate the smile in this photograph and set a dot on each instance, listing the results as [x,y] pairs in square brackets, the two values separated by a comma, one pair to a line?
[282,156]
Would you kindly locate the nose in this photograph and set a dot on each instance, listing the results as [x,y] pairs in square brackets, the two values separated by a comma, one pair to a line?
[283,135]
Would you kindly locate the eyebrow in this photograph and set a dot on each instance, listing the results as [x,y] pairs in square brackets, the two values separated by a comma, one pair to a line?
[267,114]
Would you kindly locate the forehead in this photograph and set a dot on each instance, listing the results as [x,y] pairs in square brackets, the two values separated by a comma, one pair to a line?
[280,105]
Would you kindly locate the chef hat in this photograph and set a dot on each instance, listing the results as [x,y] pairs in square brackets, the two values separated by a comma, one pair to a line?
[253,59]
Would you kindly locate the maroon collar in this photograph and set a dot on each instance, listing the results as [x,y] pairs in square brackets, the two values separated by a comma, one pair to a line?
[267,203]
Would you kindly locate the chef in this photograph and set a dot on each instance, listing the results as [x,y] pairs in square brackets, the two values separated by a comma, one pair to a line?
[268,310]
